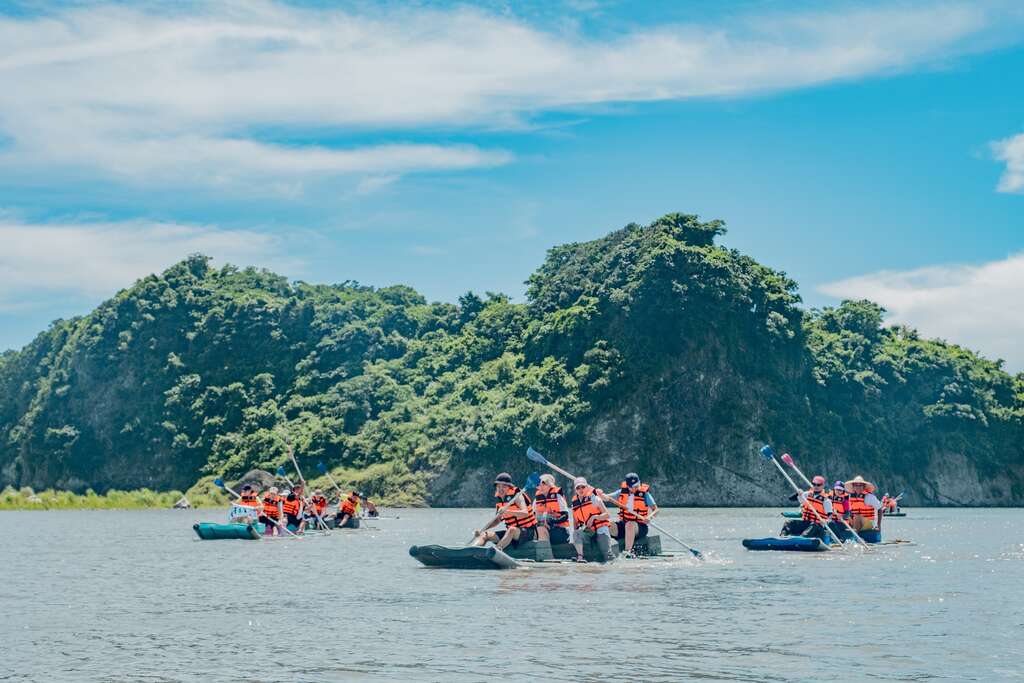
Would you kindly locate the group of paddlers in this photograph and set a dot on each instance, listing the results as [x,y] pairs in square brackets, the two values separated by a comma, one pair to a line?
[851,504]
[291,511]
[547,515]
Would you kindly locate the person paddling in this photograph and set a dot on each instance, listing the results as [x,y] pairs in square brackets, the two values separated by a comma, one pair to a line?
[347,509]
[636,509]
[815,511]
[292,508]
[840,503]
[316,508]
[591,520]
[552,512]
[272,512]
[516,512]
[864,505]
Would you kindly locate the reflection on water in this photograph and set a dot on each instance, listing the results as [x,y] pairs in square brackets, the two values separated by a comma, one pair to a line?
[131,596]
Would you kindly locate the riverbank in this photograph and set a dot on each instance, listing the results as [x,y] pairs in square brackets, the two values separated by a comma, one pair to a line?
[140,499]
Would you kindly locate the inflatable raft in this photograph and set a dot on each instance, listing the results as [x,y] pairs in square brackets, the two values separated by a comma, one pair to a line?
[795,543]
[210,531]
[795,514]
[462,558]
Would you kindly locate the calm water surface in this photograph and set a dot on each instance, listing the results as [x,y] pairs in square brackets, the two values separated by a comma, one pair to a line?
[133,596]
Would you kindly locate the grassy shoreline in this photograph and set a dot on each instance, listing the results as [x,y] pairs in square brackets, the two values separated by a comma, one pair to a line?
[139,499]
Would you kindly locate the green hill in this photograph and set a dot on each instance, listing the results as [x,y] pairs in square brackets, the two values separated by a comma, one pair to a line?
[650,349]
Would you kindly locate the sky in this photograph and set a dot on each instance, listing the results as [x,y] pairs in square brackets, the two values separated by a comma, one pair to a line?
[871,150]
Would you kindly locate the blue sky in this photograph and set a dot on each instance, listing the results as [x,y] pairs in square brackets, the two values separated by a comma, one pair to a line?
[872,151]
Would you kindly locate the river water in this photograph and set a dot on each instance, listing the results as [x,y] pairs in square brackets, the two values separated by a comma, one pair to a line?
[133,596]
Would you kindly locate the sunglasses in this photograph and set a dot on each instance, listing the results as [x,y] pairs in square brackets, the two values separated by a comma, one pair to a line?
[581,486]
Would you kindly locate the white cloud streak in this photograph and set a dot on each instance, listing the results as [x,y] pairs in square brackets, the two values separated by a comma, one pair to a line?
[977,306]
[1011,151]
[178,95]
[93,260]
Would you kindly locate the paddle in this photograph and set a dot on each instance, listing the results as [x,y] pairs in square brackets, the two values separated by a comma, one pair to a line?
[788,459]
[323,470]
[768,454]
[281,473]
[220,482]
[538,458]
[531,483]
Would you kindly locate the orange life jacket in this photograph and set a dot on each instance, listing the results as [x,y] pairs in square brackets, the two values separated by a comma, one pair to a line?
[859,507]
[319,504]
[348,506]
[815,502]
[547,503]
[249,500]
[291,507]
[840,504]
[584,508]
[270,508]
[525,522]
[639,503]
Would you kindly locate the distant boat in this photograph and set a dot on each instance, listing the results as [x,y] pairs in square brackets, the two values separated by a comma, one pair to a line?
[183,504]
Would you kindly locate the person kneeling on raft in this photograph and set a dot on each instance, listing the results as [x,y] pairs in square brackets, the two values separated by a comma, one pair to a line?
[520,522]
[292,508]
[552,512]
[272,513]
[636,509]
[815,510]
[349,506]
[590,519]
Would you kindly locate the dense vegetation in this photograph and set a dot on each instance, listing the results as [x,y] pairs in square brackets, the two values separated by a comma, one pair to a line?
[651,348]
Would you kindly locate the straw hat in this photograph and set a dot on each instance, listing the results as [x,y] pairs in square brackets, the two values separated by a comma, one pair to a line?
[868,486]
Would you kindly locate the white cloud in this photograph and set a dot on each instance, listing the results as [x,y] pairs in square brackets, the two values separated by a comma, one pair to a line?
[974,306]
[1011,150]
[152,94]
[94,260]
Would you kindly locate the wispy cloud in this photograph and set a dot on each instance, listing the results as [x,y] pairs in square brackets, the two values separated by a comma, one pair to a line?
[1011,151]
[163,95]
[94,260]
[977,306]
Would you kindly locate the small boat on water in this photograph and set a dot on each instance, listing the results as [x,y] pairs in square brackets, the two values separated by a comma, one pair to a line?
[470,557]
[533,551]
[805,544]
[796,514]
[211,531]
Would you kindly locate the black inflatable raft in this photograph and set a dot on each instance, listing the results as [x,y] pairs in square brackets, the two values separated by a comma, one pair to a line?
[462,558]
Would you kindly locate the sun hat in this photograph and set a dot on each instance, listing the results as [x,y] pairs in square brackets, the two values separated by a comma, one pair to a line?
[869,487]
[838,486]
[818,480]
[504,478]
[632,478]
[579,481]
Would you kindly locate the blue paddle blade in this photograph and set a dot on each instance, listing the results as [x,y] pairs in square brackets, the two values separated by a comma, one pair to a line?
[322,467]
[280,471]
[218,482]
[767,453]
[535,456]
[696,553]
[532,481]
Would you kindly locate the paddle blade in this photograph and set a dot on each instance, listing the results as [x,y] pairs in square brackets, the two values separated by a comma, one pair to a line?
[321,467]
[767,453]
[786,458]
[532,481]
[218,482]
[280,471]
[696,553]
[536,457]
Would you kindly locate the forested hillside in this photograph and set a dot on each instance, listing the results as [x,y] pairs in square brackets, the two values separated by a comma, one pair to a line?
[651,349]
